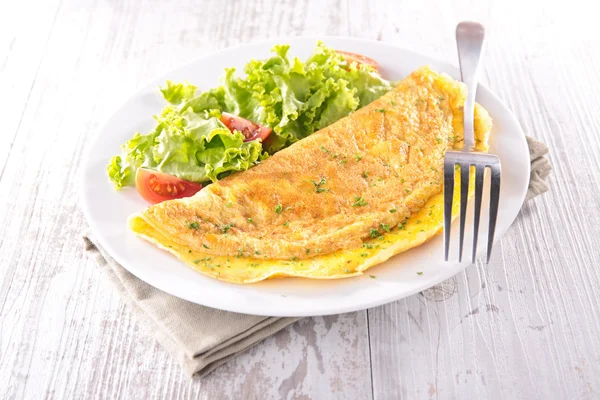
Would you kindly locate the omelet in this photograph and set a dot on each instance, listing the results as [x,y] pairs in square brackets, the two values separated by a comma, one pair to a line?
[332,205]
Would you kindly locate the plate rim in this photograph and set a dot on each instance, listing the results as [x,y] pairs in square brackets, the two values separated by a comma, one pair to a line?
[452,268]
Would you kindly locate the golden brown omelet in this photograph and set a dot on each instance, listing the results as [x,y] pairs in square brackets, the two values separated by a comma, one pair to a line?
[348,197]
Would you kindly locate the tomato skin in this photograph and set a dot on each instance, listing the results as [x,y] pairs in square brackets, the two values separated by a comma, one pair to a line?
[156,187]
[249,129]
[358,58]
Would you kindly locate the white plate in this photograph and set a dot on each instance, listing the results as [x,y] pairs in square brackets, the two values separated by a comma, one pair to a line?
[107,210]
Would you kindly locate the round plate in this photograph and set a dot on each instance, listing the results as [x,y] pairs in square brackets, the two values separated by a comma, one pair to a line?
[107,210]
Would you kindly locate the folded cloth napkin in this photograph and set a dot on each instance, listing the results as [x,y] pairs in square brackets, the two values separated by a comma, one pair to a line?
[540,168]
[202,338]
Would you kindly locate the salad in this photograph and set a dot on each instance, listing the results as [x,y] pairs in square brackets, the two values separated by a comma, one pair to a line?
[203,136]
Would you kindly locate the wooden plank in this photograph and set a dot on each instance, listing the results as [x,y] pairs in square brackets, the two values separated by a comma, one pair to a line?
[526,325]
[21,53]
[64,332]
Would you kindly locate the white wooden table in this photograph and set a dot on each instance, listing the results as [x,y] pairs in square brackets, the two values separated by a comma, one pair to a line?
[525,326]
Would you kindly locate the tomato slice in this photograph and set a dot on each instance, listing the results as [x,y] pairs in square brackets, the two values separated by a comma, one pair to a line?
[249,129]
[157,186]
[358,58]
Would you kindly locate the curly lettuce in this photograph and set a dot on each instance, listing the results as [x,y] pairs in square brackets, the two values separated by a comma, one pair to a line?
[292,97]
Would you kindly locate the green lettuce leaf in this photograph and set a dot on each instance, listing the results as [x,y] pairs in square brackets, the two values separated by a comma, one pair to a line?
[201,148]
[175,93]
[193,146]
[121,175]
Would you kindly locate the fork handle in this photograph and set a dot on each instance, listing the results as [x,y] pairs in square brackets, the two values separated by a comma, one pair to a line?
[469,40]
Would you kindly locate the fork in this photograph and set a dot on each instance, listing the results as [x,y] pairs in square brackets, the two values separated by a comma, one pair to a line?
[469,40]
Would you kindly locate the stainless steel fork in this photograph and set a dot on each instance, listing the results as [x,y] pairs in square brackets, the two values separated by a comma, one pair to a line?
[469,40]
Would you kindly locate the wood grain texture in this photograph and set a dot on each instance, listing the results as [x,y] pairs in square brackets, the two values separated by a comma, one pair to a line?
[525,326]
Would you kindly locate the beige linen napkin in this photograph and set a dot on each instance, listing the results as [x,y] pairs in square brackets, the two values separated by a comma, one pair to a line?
[540,168]
[202,338]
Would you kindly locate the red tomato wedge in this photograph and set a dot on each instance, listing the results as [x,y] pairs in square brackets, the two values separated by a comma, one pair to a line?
[249,129]
[156,186]
[359,59]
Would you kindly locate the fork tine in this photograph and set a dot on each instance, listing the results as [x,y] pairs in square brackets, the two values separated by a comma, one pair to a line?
[494,201]
[465,169]
[448,197]
[479,172]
